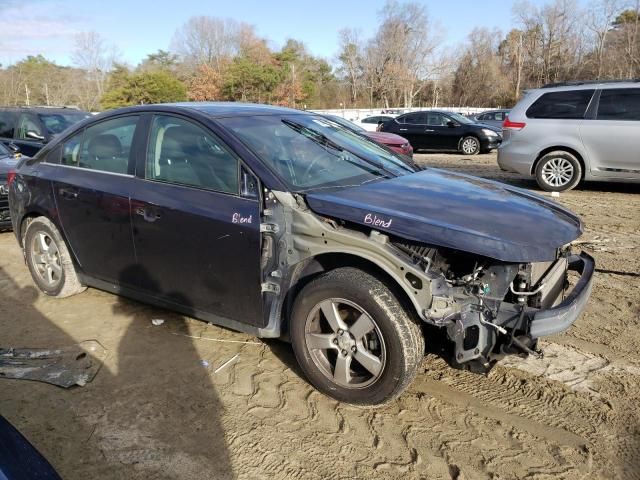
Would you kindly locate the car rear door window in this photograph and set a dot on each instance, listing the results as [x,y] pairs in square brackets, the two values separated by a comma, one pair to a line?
[70,151]
[104,147]
[7,123]
[619,104]
[184,153]
[566,104]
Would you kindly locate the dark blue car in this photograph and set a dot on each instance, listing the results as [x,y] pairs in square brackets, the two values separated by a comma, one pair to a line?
[8,162]
[282,223]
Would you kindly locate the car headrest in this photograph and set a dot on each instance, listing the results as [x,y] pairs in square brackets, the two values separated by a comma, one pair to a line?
[178,143]
[104,146]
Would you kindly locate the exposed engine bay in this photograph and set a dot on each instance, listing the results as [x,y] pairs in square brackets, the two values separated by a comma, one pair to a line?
[483,304]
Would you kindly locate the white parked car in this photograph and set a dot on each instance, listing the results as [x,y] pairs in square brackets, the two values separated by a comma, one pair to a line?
[370,124]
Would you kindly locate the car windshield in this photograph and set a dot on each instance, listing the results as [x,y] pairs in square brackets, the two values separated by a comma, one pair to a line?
[310,152]
[460,118]
[58,122]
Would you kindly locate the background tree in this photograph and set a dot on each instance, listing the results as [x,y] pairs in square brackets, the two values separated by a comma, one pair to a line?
[143,88]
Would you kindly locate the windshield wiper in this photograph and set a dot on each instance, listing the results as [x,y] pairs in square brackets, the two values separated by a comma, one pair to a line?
[322,139]
[313,135]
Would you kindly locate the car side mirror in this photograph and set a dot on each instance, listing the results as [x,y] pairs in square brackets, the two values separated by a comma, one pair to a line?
[14,148]
[33,135]
[451,124]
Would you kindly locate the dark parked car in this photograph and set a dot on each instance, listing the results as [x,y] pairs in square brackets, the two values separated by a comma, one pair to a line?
[493,118]
[8,162]
[444,131]
[394,142]
[30,128]
[281,223]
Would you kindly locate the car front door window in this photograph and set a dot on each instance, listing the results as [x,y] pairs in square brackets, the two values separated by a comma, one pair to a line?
[28,128]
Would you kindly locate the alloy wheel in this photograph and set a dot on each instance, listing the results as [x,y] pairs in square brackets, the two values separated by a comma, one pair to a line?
[45,258]
[558,172]
[345,343]
[469,146]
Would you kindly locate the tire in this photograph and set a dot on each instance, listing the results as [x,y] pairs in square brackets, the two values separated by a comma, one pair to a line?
[392,347]
[48,259]
[558,171]
[469,145]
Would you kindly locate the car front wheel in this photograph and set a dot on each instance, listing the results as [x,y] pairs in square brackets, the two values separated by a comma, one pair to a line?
[558,171]
[470,146]
[353,339]
[48,259]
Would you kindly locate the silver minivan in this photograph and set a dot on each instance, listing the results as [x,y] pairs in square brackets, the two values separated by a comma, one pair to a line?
[562,134]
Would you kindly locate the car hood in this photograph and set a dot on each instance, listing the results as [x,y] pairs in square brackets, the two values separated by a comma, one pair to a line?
[387,138]
[456,211]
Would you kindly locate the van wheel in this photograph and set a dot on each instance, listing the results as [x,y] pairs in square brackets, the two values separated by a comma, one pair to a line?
[470,145]
[558,171]
[353,339]
[48,259]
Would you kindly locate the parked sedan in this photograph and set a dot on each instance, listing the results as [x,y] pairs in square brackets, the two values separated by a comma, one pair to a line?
[493,118]
[444,131]
[394,142]
[281,223]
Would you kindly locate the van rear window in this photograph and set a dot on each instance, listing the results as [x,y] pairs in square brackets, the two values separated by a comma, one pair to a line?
[564,104]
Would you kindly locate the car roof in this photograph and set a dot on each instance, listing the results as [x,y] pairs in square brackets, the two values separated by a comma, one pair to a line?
[233,109]
[587,85]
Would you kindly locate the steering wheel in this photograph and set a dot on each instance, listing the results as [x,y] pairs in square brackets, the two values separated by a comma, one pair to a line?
[307,173]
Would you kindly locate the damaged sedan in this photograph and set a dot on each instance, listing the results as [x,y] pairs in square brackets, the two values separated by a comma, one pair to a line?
[284,224]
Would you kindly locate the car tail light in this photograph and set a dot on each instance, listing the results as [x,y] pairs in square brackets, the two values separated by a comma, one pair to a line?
[508,124]
[11,176]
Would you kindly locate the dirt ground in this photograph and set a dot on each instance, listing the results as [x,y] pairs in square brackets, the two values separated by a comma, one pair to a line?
[155,410]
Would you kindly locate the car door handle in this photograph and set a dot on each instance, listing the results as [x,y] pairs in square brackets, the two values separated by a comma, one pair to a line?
[69,193]
[429,130]
[147,214]
[403,129]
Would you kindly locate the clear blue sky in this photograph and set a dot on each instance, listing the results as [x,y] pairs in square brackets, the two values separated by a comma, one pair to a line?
[139,27]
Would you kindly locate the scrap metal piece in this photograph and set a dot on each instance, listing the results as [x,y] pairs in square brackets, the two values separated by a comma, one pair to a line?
[65,367]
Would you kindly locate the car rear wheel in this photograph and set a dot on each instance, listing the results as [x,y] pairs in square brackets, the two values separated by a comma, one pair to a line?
[558,171]
[470,145]
[48,259]
[353,339]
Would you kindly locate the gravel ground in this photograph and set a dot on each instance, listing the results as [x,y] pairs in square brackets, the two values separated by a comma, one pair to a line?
[155,411]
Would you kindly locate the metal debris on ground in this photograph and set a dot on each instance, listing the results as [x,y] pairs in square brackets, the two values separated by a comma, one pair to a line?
[226,363]
[65,367]
[246,342]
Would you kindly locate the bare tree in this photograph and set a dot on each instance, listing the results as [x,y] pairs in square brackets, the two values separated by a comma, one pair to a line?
[96,57]
[554,29]
[599,21]
[350,58]
[210,40]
